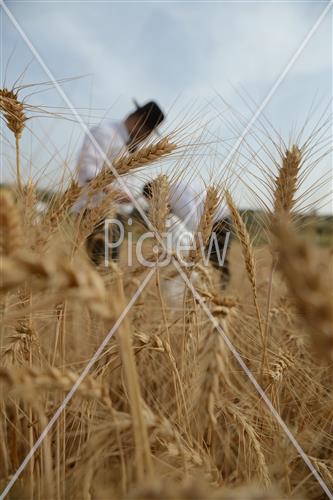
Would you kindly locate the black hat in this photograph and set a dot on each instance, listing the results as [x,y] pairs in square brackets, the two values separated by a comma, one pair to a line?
[147,190]
[152,113]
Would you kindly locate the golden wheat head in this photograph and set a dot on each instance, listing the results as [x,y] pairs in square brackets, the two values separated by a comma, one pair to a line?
[13,111]
[286,181]
[310,288]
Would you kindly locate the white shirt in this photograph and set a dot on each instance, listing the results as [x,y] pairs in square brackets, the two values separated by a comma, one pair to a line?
[112,138]
[187,201]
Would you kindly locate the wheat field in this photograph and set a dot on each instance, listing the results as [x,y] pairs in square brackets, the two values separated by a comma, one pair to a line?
[169,408]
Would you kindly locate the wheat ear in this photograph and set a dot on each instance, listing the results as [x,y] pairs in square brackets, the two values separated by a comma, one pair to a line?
[20,345]
[55,275]
[11,235]
[125,163]
[144,156]
[285,184]
[61,206]
[52,378]
[202,235]
[159,206]
[311,290]
[86,223]
[13,111]
[205,227]
[248,255]
[212,358]
[30,201]
[142,446]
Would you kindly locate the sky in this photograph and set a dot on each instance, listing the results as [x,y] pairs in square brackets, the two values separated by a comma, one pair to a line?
[210,65]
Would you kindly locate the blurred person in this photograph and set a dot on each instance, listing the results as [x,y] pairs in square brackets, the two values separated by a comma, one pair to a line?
[114,138]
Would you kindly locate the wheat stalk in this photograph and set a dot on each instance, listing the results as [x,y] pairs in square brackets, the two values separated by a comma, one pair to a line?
[13,111]
[205,227]
[19,348]
[60,208]
[198,488]
[250,264]
[213,363]
[55,275]
[11,236]
[159,204]
[143,453]
[212,357]
[15,118]
[126,163]
[245,427]
[51,378]
[284,360]
[207,218]
[285,186]
[87,222]
[30,202]
[205,419]
[245,241]
[286,181]
[311,290]
[144,156]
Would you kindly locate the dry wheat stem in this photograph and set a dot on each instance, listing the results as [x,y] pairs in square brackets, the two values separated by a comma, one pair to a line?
[181,408]
[158,214]
[285,186]
[11,234]
[248,254]
[87,221]
[146,155]
[286,181]
[311,289]
[143,453]
[13,111]
[30,202]
[55,274]
[14,115]
[159,207]
[205,227]
[51,378]
[21,346]
[212,362]
[60,208]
